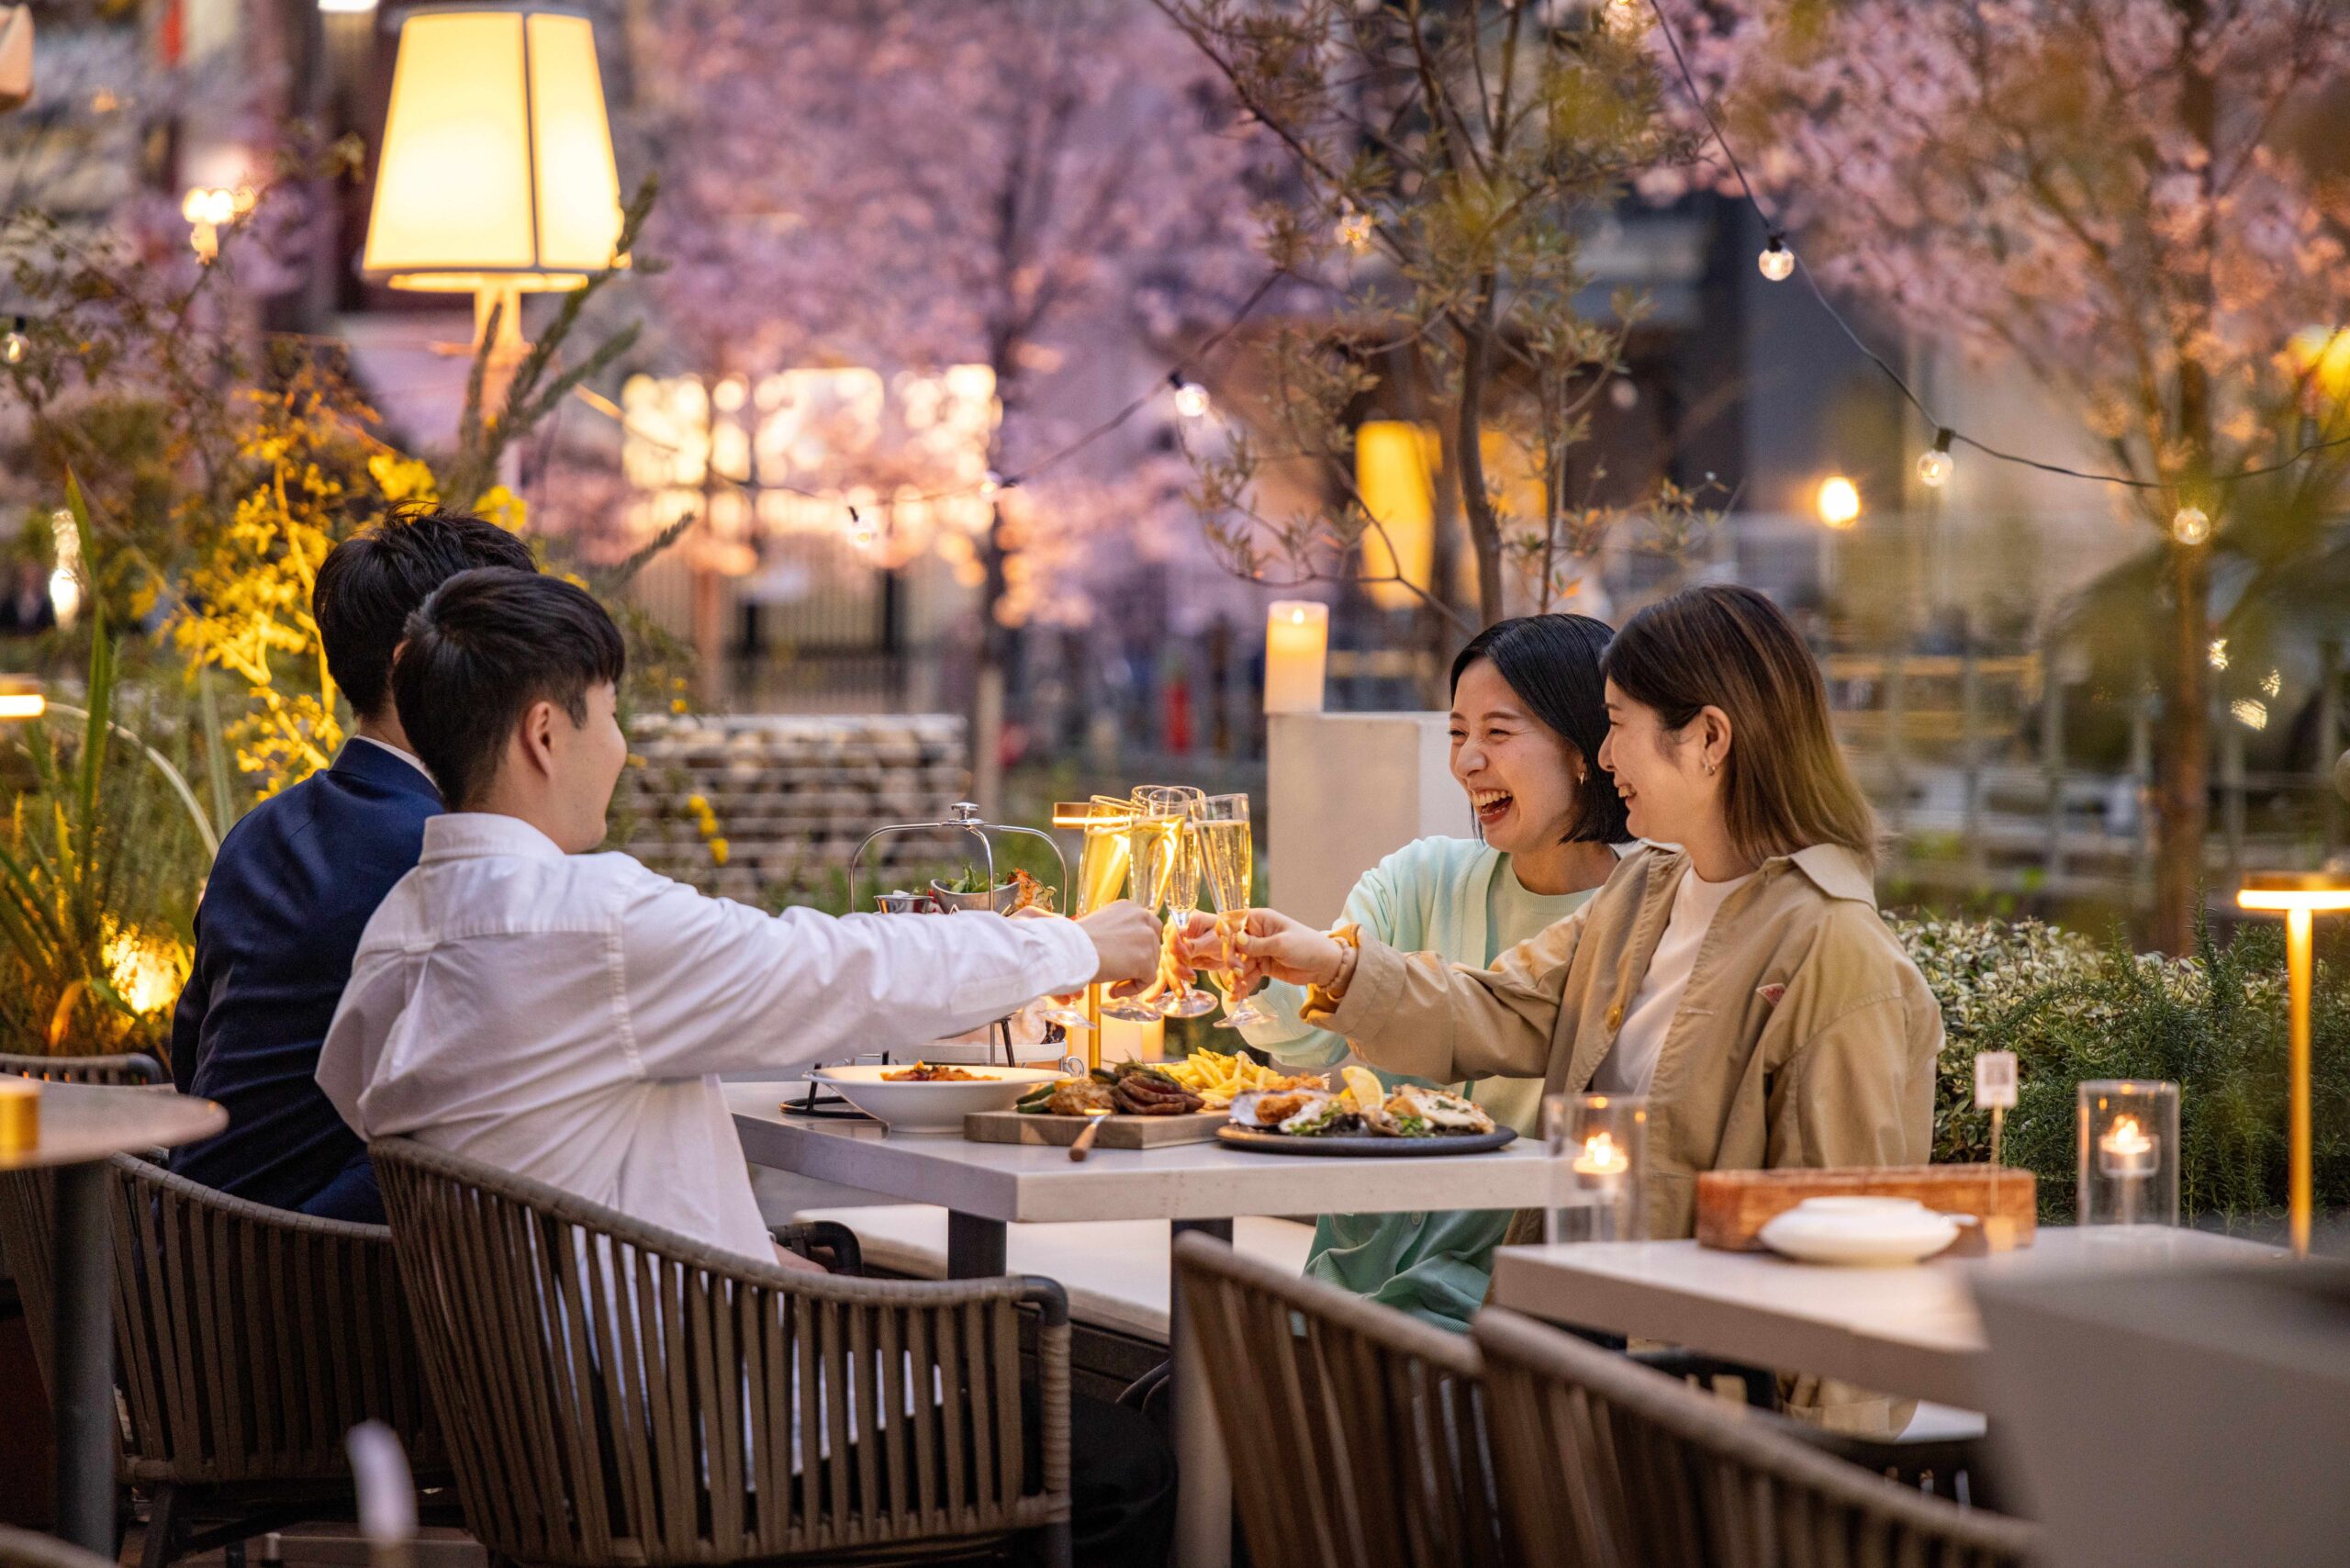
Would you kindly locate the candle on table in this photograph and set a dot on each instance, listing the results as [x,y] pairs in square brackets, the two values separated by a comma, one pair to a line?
[1297,641]
[2126,1153]
[1123,1040]
[19,1115]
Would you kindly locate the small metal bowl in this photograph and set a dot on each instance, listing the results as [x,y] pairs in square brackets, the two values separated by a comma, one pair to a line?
[1001,901]
[907,903]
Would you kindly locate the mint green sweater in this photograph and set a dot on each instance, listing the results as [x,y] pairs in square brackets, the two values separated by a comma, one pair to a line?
[1437,895]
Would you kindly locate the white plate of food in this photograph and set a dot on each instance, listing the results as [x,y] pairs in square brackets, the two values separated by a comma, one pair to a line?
[1859,1231]
[931,1097]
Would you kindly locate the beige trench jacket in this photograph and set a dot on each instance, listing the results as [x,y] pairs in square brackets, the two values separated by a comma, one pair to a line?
[1805,1036]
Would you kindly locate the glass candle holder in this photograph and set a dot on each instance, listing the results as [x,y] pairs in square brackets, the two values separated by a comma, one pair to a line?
[1599,1163]
[2129,1152]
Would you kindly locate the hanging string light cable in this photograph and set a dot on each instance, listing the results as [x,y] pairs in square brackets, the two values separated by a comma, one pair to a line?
[1778,262]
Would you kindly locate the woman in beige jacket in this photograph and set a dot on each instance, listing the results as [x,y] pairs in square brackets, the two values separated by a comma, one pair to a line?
[1741,980]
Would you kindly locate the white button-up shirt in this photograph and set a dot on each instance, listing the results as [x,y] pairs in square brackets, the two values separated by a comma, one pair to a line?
[564,1016]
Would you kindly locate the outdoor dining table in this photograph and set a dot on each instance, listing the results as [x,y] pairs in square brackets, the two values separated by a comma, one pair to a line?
[1911,1331]
[81,1126]
[1198,1186]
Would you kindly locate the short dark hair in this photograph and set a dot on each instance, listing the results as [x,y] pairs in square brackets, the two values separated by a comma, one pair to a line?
[371,583]
[485,646]
[1552,662]
[1785,787]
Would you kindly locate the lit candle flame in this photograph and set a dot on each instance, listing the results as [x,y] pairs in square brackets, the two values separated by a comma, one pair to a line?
[2125,1136]
[1600,1156]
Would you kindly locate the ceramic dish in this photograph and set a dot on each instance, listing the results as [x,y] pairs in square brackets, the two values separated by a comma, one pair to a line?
[1859,1231]
[931,1108]
[1262,1142]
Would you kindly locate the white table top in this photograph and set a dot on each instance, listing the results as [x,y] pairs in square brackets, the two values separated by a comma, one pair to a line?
[1202,1180]
[1912,1332]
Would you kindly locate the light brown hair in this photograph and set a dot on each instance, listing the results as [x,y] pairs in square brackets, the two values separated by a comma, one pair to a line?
[1785,787]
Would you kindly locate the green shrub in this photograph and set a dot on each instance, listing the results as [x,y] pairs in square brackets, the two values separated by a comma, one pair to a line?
[2214,1024]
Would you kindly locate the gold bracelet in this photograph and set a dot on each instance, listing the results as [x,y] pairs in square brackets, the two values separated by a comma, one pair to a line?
[1322,999]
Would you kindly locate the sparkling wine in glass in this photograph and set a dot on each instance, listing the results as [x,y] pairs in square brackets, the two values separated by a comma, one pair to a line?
[1155,848]
[1228,855]
[1100,878]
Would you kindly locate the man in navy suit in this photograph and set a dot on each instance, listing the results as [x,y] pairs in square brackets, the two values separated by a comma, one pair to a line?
[296,880]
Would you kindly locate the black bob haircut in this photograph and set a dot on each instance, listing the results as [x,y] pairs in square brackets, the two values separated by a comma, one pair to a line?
[372,582]
[480,651]
[1552,662]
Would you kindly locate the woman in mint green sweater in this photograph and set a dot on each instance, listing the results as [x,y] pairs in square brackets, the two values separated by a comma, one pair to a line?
[1527,718]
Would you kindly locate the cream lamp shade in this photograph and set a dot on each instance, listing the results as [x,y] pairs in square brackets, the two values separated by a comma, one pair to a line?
[497,173]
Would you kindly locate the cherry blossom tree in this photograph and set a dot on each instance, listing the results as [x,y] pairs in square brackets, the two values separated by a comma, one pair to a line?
[2142,204]
[926,183]
[1446,164]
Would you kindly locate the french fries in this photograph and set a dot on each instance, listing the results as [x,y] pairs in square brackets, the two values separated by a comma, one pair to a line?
[1217,1078]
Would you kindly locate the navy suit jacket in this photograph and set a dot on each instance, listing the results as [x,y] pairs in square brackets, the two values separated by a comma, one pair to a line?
[293,889]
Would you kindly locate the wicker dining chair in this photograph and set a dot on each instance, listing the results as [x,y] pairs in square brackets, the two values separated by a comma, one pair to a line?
[28,1548]
[1357,1434]
[619,1393]
[132,1068]
[248,1340]
[1605,1463]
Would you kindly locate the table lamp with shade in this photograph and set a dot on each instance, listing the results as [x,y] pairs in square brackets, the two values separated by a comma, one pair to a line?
[497,177]
[2301,897]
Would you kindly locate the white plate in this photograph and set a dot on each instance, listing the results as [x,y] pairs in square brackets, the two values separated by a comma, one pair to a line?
[931,1108]
[1859,1231]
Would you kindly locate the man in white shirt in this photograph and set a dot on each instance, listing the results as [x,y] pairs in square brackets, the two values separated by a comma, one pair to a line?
[564,1014]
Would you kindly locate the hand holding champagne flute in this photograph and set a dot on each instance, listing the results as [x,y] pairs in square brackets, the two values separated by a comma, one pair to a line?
[1100,878]
[1228,855]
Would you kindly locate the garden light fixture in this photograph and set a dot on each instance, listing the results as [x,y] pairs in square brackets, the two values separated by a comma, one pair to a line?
[2300,896]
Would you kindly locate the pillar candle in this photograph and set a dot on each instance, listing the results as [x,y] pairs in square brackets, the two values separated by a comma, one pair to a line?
[1125,1041]
[1297,640]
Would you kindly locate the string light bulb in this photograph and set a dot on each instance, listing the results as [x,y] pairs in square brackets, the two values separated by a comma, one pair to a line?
[990,485]
[860,532]
[2190,526]
[1934,466]
[12,342]
[1191,397]
[1776,261]
[1839,502]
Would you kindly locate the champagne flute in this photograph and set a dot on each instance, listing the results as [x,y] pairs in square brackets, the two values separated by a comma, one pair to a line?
[1227,852]
[1183,802]
[1100,878]
[1155,842]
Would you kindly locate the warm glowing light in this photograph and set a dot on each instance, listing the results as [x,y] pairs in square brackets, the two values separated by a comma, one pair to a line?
[496,174]
[2295,889]
[2126,1149]
[991,484]
[2250,712]
[2273,682]
[1625,18]
[1839,501]
[1396,463]
[1600,1156]
[1933,468]
[2321,355]
[22,704]
[65,582]
[2218,652]
[146,972]
[1776,261]
[1192,401]
[1297,641]
[13,343]
[2190,526]
[347,7]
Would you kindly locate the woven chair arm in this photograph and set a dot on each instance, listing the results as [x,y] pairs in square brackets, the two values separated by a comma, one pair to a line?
[848,1253]
[151,1173]
[677,1248]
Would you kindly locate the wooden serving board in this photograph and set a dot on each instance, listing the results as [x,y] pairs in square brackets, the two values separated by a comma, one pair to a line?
[1118,1131]
[1732,1205]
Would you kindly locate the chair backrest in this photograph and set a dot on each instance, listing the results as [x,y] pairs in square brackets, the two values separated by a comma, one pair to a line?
[615,1392]
[133,1068]
[1356,1433]
[248,1339]
[1607,1463]
[25,1549]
